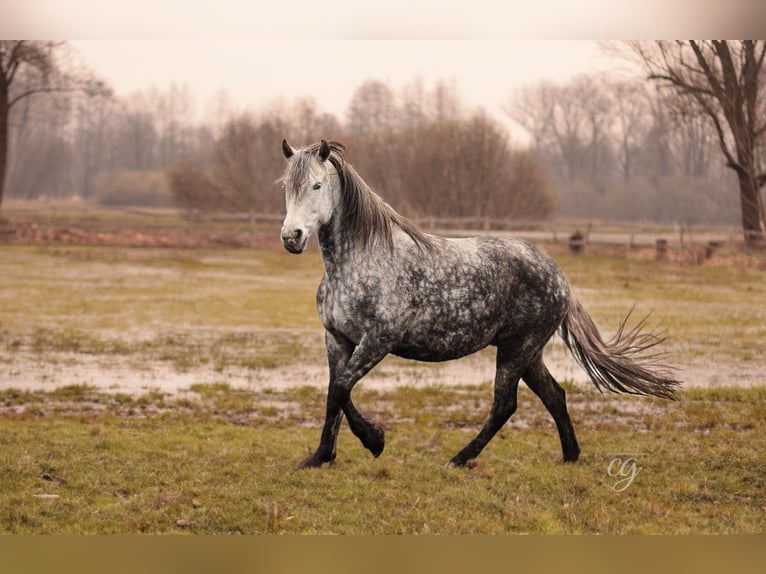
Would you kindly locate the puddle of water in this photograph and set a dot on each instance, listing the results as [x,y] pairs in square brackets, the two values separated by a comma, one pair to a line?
[123,375]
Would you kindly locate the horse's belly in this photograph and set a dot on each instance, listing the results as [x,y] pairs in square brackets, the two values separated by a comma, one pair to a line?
[431,355]
[441,346]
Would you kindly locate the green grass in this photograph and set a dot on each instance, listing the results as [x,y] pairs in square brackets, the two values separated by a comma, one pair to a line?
[200,467]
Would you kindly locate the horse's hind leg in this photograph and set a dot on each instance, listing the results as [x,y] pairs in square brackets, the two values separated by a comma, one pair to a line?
[537,378]
[503,405]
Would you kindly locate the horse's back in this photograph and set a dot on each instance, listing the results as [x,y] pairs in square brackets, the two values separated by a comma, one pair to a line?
[529,287]
[514,266]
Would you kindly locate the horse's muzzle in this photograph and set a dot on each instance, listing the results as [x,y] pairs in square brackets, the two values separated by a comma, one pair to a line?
[294,241]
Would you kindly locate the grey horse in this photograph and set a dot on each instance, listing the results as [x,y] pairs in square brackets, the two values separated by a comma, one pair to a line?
[390,288]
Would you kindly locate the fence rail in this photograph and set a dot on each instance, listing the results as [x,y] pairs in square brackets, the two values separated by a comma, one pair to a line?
[554,231]
[582,234]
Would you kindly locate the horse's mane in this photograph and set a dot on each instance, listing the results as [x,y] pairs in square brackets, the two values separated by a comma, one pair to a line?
[364,214]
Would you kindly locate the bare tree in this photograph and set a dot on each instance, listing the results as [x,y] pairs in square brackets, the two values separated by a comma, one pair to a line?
[372,108]
[175,112]
[246,163]
[591,95]
[631,111]
[446,101]
[414,106]
[236,164]
[136,135]
[92,131]
[567,120]
[459,167]
[724,80]
[657,146]
[28,68]
[305,123]
[39,155]
[691,137]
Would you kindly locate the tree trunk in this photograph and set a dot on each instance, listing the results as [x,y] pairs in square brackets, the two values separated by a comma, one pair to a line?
[752,210]
[4,127]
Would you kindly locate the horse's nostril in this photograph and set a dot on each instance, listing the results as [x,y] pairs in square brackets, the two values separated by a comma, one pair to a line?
[293,237]
[290,235]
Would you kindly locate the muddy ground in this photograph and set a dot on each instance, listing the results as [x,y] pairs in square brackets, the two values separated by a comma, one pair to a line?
[27,368]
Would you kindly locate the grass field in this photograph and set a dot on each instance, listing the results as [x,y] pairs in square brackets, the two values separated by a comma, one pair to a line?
[93,438]
[78,461]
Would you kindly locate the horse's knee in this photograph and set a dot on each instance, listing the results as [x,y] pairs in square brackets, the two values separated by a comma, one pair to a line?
[338,395]
[503,410]
[505,400]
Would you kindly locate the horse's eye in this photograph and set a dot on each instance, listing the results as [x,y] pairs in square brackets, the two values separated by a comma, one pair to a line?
[317,185]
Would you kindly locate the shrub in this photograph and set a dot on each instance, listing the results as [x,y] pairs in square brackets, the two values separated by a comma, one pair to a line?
[193,188]
[132,187]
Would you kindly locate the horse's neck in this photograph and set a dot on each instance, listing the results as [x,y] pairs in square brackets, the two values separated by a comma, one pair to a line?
[338,250]
[333,246]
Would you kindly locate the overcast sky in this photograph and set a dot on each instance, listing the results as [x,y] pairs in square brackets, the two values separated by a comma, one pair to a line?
[255,73]
[260,50]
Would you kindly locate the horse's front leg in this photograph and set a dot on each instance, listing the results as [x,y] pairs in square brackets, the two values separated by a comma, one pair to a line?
[339,350]
[368,353]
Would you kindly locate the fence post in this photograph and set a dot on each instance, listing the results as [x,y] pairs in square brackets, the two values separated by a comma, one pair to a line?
[577,242]
[252,230]
[662,250]
[712,247]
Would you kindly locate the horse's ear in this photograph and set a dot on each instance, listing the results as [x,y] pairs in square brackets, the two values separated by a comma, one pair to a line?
[287,149]
[324,150]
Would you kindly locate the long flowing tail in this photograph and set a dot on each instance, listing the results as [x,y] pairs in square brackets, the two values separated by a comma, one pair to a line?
[620,365]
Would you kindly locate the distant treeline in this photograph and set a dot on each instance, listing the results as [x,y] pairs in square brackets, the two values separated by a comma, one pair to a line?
[440,166]
[599,148]
[622,149]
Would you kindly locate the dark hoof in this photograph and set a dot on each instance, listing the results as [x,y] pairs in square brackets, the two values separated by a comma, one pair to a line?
[459,463]
[375,441]
[572,456]
[315,461]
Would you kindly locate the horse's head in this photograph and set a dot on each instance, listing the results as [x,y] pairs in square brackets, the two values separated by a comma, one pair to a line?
[311,186]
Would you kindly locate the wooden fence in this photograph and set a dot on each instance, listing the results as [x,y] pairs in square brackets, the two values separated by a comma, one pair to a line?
[577,234]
